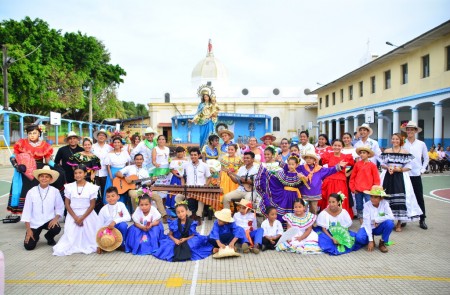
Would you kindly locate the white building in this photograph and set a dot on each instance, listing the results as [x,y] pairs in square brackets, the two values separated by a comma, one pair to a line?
[289,108]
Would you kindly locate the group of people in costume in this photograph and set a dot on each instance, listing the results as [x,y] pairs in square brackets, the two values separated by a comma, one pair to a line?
[308,195]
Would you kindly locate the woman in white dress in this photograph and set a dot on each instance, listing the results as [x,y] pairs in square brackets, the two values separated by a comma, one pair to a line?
[82,223]
[114,161]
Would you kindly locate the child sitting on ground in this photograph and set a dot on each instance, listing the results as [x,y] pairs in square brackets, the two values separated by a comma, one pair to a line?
[246,219]
[114,215]
[225,232]
[183,241]
[144,235]
[272,228]
[300,237]
[378,220]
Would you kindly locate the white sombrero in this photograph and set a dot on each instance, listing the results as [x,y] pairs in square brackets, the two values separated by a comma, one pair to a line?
[71,134]
[46,170]
[96,133]
[366,126]
[411,124]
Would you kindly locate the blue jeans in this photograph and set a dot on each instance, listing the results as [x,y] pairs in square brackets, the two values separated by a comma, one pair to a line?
[384,229]
[122,227]
[257,236]
[361,198]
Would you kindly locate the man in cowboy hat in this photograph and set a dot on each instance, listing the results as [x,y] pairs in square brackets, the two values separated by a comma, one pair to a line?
[365,131]
[145,148]
[101,150]
[67,151]
[227,137]
[43,208]
[418,165]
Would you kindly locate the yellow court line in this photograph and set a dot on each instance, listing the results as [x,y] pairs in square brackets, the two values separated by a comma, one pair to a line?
[179,282]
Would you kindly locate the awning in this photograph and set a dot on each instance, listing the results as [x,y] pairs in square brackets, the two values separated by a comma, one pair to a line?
[165,125]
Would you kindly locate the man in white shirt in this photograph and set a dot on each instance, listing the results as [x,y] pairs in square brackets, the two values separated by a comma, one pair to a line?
[197,173]
[365,131]
[145,148]
[43,208]
[418,165]
[304,146]
[101,150]
[244,177]
[139,170]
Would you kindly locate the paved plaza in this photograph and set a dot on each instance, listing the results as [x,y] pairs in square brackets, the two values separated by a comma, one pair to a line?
[417,263]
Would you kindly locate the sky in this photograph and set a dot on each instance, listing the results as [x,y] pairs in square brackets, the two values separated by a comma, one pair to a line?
[262,43]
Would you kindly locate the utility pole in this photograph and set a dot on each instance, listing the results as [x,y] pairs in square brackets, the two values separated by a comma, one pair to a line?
[90,102]
[5,77]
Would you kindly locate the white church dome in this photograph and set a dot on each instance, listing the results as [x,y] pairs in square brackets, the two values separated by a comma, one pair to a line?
[209,69]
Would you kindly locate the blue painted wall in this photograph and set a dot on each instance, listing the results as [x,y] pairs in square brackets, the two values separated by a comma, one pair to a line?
[243,126]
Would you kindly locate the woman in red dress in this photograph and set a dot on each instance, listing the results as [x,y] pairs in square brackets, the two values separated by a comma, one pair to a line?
[30,153]
[337,182]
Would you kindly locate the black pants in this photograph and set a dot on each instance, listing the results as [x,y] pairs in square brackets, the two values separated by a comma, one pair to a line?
[101,182]
[50,235]
[193,205]
[418,191]
[268,244]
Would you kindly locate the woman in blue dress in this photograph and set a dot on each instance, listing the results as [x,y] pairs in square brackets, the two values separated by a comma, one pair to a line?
[183,241]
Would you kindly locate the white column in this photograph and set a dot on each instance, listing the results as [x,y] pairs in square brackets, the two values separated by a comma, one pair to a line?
[380,129]
[338,128]
[355,123]
[346,124]
[330,129]
[395,121]
[415,116]
[319,128]
[438,123]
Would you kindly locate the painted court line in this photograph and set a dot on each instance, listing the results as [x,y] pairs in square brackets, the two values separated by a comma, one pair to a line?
[226,281]
[438,199]
[197,265]
[440,189]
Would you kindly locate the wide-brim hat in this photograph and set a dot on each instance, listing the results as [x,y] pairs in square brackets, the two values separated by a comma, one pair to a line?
[71,134]
[231,134]
[46,170]
[367,149]
[268,135]
[377,190]
[224,215]
[245,203]
[108,239]
[96,133]
[366,126]
[411,124]
[226,252]
[311,156]
[149,130]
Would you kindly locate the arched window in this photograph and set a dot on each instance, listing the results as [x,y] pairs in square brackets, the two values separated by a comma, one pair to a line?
[276,124]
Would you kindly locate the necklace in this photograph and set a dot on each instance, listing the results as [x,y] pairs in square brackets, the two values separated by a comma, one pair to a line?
[117,154]
[43,199]
[82,189]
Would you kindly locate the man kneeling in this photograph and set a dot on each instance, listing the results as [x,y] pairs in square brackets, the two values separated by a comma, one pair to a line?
[43,208]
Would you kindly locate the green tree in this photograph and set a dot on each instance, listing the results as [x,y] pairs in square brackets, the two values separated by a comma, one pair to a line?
[60,74]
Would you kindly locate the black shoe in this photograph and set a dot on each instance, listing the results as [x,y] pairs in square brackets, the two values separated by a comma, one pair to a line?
[423,225]
[51,242]
[403,224]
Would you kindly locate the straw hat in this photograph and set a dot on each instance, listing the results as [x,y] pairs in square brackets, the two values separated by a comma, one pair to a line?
[108,239]
[311,156]
[245,203]
[268,135]
[367,149]
[46,170]
[231,134]
[366,126]
[226,252]
[411,124]
[224,215]
[149,130]
[96,133]
[377,190]
[71,134]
